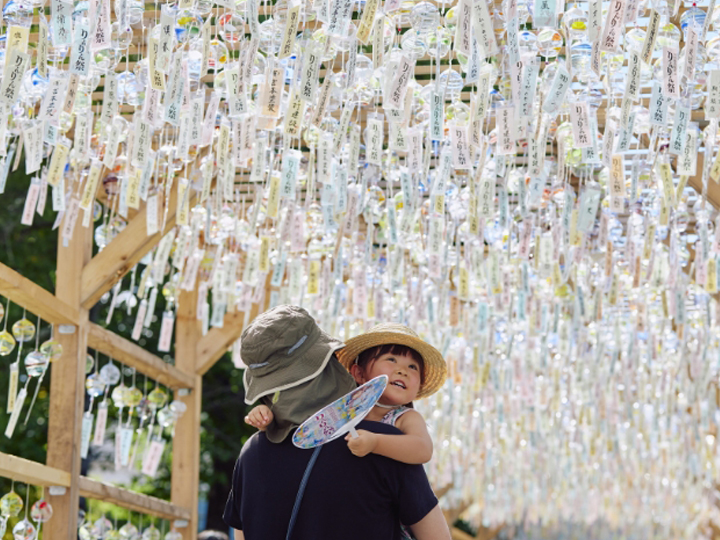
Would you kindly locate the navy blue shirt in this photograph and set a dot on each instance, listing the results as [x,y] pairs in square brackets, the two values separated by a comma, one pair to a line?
[346,496]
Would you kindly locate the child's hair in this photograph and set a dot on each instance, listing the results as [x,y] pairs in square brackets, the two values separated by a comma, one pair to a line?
[373,353]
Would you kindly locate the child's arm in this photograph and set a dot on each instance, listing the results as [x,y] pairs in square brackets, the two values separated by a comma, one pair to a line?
[260,417]
[414,446]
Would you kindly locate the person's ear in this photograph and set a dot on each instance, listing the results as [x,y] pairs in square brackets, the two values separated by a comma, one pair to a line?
[357,373]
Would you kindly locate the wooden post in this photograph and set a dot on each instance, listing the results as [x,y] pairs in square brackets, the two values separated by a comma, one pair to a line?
[67,384]
[186,445]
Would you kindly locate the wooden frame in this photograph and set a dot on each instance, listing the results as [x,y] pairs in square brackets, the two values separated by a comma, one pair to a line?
[81,281]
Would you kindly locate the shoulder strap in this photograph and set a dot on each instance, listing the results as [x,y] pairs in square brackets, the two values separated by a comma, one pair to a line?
[301,490]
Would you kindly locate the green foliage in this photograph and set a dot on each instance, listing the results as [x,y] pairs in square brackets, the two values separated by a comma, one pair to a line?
[465,527]
[32,252]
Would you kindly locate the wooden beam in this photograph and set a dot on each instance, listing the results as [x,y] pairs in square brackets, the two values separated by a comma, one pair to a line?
[35,299]
[67,385]
[137,502]
[31,472]
[186,444]
[132,355]
[125,251]
[217,341]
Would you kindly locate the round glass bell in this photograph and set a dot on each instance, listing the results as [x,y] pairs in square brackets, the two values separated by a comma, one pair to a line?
[52,349]
[94,385]
[11,504]
[89,363]
[24,530]
[101,527]
[110,374]
[157,398]
[119,395]
[133,397]
[7,343]
[151,533]
[129,532]
[41,511]
[165,417]
[23,330]
[36,363]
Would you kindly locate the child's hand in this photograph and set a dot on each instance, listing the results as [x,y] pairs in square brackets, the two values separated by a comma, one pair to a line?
[260,417]
[363,444]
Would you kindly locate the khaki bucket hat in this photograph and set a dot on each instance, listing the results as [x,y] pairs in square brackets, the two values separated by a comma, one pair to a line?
[283,348]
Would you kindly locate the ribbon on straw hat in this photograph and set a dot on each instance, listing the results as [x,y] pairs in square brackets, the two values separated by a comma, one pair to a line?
[393,333]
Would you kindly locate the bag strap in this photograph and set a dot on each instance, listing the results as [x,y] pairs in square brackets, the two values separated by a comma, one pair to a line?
[301,490]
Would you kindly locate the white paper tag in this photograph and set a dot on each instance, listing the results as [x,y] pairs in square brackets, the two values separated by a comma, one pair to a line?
[70,219]
[658,106]
[650,37]
[460,147]
[42,199]
[375,139]
[17,409]
[546,14]
[151,215]
[125,445]
[309,77]
[80,52]
[614,25]
[463,30]
[632,82]
[43,44]
[139,318]
[100,424]
[594,19]
[61,22]
[680,123]
[152,458]
[505,122]
[580,118]
[12,387]
[670,86]
[101,34]
[166,331]
[687,160]
[556,94]
[691,45]
[33,144]
[30,203]
[483,27]
[712,102]
[15,69]
[87,425]
[437,116]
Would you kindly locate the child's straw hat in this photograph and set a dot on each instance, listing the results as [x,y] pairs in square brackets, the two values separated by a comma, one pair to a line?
[393,333]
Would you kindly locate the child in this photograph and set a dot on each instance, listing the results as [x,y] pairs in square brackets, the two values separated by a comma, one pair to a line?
[414,368]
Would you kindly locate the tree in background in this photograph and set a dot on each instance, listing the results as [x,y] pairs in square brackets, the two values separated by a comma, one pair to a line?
[32,251]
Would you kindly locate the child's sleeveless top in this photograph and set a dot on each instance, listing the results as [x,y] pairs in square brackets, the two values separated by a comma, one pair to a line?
[393,414]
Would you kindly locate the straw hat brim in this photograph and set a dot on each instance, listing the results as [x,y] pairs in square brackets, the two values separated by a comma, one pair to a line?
[435,367]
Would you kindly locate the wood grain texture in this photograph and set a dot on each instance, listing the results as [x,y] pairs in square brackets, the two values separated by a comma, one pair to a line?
[186,444]
[125,251]
[35,299]
[31,472]
[134,356]
[67,385]
[137,502]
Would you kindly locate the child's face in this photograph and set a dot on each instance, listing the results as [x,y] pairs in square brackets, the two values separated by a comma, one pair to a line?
[403,377]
